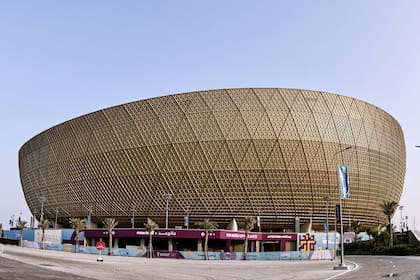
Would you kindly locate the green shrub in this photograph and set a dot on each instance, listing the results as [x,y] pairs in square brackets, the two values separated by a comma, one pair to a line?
[369,248]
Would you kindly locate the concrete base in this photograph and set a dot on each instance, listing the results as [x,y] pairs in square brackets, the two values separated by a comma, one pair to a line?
[341,267]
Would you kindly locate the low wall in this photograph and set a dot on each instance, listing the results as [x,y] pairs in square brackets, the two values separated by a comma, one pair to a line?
[9,241]
[193,255]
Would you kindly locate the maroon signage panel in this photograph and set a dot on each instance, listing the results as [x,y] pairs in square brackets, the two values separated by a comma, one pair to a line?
[191,234]
[279,236]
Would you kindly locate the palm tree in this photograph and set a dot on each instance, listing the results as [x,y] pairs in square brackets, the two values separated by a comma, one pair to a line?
[207,225]
[110,224]
[150,226]
[389,208]
[44,224]
[374,234]
[21,225]
[249,223]
[356,226]
[77,224]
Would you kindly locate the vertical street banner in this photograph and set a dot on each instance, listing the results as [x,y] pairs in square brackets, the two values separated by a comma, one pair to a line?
[337,213]
[343,181]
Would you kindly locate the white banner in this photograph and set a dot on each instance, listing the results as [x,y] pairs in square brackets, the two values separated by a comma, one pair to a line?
[343,181]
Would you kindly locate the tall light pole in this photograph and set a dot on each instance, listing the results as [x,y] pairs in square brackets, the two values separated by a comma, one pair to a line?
[167,197]
[132,217]
[414,218]
[327,200]
[42,208]
[55,222]
[401,218]
[335,228]
[90,216]
[341,266]
[187,217]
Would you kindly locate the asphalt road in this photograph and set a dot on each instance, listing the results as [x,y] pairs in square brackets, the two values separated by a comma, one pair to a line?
[27,263]
[10,269]
[381,267]
[115,267]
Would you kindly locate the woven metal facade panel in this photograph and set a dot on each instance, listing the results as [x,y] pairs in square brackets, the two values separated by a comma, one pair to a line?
[221,154]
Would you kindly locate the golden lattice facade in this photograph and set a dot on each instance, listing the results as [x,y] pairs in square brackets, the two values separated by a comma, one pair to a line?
[220,154]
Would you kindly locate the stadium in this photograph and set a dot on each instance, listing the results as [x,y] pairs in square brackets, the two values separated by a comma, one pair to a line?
[218,154]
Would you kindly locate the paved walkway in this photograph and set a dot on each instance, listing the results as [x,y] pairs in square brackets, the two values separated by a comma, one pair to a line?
[84,265]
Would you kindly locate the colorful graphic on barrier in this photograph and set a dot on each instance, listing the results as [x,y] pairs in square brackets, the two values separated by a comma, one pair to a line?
[307,242]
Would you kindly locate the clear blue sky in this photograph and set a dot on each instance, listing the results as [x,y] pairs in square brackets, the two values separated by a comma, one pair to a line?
[62,59]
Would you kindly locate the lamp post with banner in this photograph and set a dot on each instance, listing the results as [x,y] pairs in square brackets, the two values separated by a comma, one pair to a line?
[186,218]
[133,211]
[344,193]
[327,200]
[167,197]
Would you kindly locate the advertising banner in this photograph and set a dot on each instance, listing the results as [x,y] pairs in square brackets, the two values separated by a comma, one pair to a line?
[343,181]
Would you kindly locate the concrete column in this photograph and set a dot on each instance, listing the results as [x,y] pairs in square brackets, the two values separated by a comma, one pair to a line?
[257,246]
[228,247]
[200,245]
[141,241]
[170,245]
[297,224]
[115,242]
[282,245]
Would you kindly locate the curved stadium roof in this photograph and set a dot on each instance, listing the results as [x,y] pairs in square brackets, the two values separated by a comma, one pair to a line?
[221,154]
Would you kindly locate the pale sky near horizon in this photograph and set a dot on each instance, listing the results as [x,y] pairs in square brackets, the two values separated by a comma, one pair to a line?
[63,59]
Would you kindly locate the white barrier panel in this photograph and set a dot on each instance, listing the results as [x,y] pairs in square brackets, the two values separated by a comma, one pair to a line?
[51,236]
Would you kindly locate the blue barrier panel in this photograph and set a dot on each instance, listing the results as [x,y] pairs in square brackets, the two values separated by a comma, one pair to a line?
[119,252]
[66,234]
[289,255]
[92,250]
[194,255]
[11,234]
[115,251]
[28,234]
[81,249]
[54,247]
[132,253]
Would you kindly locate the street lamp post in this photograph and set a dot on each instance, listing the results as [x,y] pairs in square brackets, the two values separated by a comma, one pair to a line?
[167,197]
[401,218]
[55,221]
[90,216]
[335,228]
[132,217]
[341,266]
[327,200]
[187,217]
[414,218]
[42,208]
